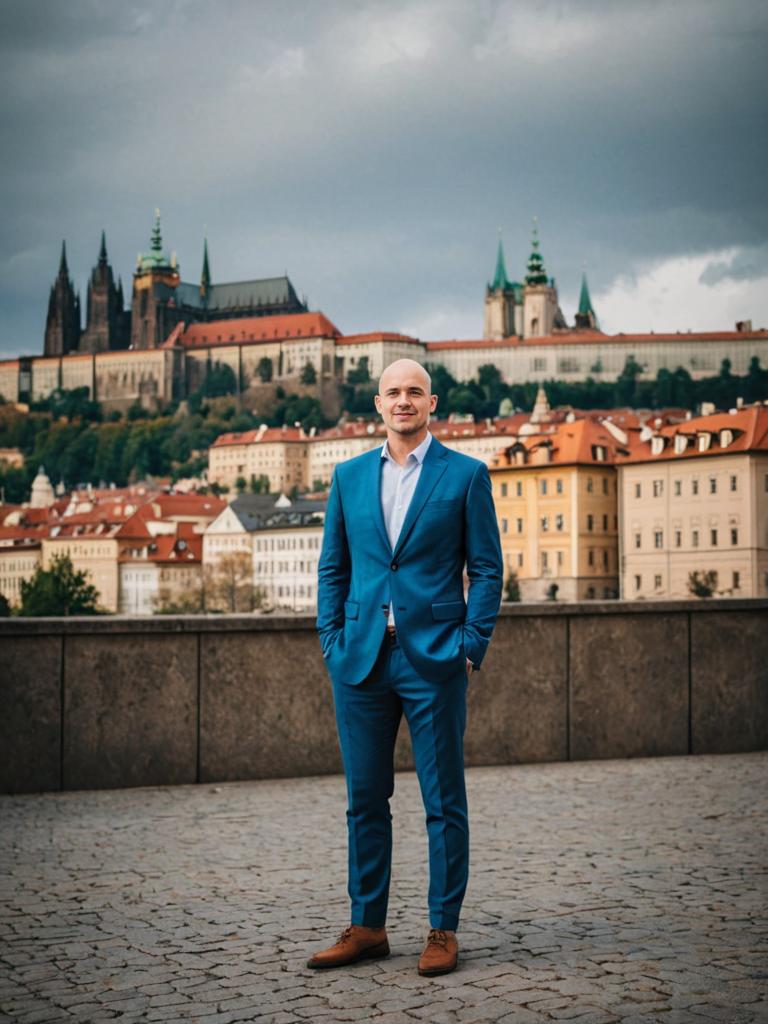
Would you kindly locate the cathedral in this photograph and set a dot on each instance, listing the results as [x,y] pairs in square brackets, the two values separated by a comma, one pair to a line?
[160,301]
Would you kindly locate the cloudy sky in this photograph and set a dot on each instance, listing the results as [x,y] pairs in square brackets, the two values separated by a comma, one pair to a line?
[373,148]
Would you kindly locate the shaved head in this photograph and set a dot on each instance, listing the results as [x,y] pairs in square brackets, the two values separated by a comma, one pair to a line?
[404,366]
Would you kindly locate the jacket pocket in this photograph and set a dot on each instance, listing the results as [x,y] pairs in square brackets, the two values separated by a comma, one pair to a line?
[351,609]
[448,610]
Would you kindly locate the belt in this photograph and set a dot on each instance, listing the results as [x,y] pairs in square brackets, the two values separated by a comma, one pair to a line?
[392,634]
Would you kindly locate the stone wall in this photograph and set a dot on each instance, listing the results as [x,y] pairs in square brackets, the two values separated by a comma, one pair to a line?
[110,702]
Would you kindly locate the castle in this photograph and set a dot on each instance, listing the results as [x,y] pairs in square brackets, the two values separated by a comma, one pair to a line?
[175,333]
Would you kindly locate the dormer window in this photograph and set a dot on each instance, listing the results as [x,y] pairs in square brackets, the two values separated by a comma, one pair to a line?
[681,443]
[726,438]
[657,444]
[705,440]
[599,452]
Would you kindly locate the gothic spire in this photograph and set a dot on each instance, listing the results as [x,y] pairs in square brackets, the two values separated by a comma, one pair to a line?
[205,277]
[536,273]
[586,316]
[500,279]
[63,268]
[103,250]
[157,236]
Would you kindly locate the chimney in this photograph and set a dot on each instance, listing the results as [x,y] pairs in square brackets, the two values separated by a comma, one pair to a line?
[744,326]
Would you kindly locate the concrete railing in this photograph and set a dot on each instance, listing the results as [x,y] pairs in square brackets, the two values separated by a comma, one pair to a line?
[104,702]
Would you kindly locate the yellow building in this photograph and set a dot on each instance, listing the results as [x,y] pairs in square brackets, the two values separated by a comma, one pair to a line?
[693,498]
[19,559]
[92,545]
[555,495]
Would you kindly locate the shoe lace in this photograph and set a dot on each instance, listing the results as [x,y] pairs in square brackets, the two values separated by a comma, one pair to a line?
[346,934]
[437,937]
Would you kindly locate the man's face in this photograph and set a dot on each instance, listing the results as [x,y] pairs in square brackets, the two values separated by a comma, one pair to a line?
[404,400]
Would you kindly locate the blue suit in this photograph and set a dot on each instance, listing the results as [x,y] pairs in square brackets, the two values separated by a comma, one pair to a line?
[450,523]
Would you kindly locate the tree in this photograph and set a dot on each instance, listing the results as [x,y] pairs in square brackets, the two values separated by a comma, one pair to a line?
[702,584]
[308,374]
[229,584]
[626,382]
[5,607]
[259,484]
[360,374]
[264,369]
[512,587]
[220,380]
[58,590]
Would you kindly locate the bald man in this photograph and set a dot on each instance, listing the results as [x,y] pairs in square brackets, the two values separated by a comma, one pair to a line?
[399,638]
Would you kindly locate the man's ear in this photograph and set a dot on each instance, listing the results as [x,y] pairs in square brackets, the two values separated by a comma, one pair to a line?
[377,402]
[432,403]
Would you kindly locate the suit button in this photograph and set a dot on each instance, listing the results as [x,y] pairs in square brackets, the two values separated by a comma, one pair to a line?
[393,567]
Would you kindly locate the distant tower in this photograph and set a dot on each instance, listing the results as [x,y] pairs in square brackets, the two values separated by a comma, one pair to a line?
[106,320]
[42,491]
[502,303]
[62,325]
[586,316]
[541,312]
[154,311]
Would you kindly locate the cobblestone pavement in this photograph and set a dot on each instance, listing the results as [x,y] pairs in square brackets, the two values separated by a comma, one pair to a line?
[631,891]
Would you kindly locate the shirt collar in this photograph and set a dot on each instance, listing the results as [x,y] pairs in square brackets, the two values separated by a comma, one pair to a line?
[418,453]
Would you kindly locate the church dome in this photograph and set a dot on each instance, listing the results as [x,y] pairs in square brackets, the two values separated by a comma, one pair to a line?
[42,491]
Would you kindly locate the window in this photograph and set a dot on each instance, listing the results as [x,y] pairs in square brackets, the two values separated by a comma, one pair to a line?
[559,559]
[544,560]
[520,559]
[638,539]
[694,486]
[605,485]
[591,556]
[504,490]
[678,488]
[590,521]
[713,485]
[658,538]
[590,593]
[590,484]
[519,525]
[605,521]
[734,535]
[559,522]
[544,523]
[695,538]
[736,581]
[638,582]
[504,525]
[638,491]
[678,538]
[734,482]
[559,486]
[543,486]
[657,582]
[658,488]
[605,558]
[519,488]
[713,537]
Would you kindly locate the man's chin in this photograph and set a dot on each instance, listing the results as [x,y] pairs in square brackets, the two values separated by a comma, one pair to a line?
[407,428]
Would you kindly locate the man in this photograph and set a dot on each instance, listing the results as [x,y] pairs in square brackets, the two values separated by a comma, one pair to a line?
[397,637]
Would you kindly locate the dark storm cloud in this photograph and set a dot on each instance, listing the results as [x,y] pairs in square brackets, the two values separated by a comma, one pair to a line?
[372,149]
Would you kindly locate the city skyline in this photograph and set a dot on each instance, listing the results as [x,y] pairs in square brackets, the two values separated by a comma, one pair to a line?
[343,147]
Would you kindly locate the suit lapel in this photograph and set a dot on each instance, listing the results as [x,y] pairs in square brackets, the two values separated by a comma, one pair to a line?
[432,469]
[371,484]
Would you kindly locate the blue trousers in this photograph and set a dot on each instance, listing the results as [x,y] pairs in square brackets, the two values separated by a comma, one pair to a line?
[367,717]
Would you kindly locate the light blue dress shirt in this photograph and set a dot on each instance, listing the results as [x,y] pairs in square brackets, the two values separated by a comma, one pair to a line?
[398,484]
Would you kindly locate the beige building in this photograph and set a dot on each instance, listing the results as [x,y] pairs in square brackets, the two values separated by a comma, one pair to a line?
[556,503]
[19,558]
[278,453]
[163,570]
[694,498]
[92,545]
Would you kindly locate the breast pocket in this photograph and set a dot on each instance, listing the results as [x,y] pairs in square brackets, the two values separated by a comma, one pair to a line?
[444,505]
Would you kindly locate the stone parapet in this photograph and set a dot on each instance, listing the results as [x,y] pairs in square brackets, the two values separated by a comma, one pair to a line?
[90,703]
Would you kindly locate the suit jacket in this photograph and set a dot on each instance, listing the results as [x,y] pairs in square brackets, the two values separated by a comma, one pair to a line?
[450,522]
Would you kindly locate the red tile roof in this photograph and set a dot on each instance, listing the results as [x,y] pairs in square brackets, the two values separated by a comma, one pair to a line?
[271,434]
[166,548]
[596,338]
[259,328]
[569,444]
[749,427]
[361,339]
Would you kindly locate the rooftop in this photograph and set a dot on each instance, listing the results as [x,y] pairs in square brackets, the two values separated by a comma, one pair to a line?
[627,891]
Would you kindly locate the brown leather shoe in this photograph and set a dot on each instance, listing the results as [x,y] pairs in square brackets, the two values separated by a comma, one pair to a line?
[355,943]
[441,953]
